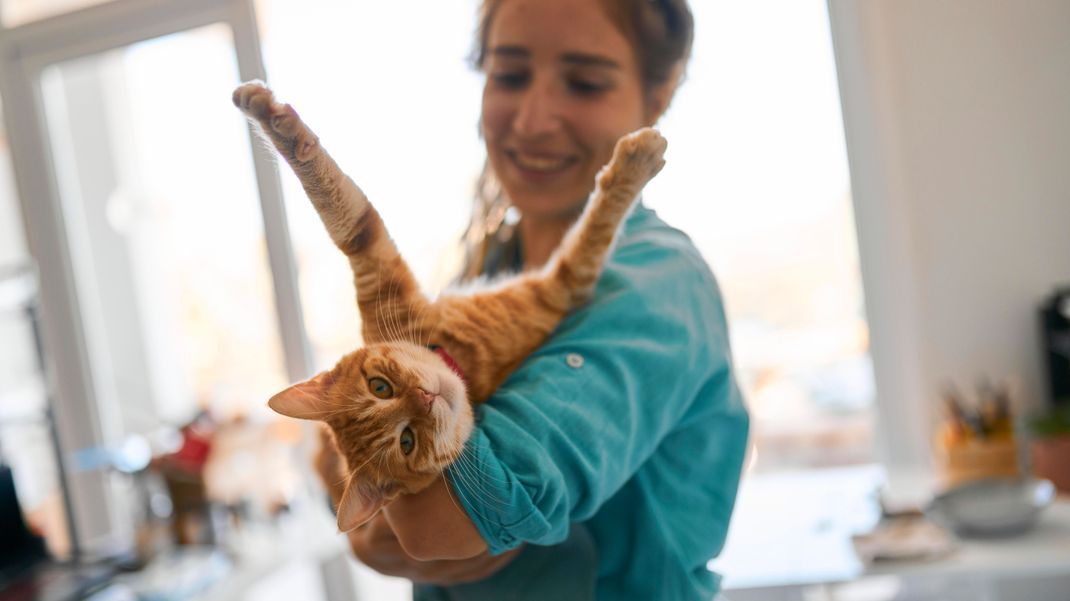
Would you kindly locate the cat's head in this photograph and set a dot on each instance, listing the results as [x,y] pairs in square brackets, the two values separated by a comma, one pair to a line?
[399,415]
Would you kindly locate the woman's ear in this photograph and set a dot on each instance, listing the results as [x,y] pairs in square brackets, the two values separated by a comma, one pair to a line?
[305,400]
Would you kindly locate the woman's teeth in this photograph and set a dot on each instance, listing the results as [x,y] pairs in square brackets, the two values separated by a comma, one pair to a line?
[539,163]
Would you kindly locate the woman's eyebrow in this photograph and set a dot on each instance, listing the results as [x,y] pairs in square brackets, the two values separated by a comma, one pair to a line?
[510,51]
[582,59]
[589,60]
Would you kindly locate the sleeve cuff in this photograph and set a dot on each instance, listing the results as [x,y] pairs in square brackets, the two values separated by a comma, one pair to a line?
[494,499]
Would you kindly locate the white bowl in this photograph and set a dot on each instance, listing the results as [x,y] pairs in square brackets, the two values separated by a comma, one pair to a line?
[994,507]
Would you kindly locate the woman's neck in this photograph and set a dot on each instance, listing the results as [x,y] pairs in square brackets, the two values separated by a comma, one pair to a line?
[539,238]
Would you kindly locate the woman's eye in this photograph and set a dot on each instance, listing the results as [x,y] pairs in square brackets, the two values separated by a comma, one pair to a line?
[407,441]
[585,87]
[381,388]
[510,79]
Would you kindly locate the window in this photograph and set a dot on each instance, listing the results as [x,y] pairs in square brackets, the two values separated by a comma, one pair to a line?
[756,175]
[165,227]
[123,148]
[365,89]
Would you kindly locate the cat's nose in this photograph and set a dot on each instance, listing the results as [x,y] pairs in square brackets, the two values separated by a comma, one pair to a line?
[426,398]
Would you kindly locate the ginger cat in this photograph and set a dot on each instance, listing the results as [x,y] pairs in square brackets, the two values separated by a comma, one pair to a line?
[400,408]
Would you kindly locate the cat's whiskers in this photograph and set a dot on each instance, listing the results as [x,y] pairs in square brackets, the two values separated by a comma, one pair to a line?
[395,306]
[379,300]
[416,326]
[385,309]
[449,491]
[353,473]
[471,475]
[466,463]
[384,469]
[471,482]
[488,499]
[410,322]
[438,441]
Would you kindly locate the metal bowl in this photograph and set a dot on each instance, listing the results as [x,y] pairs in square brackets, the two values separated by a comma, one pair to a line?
[995,507]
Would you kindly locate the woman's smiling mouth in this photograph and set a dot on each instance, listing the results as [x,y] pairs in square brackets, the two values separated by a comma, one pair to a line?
[539,165]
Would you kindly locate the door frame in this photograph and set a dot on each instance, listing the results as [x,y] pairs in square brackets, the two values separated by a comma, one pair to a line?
[68,333]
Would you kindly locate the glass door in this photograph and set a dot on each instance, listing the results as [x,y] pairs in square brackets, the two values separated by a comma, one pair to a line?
[160,203]
[168,285]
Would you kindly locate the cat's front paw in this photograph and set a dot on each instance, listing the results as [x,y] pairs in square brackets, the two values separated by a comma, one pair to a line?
[254,99]
[637,158]
[279,121]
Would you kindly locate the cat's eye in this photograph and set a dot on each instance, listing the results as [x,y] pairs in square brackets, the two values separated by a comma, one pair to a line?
[381,388]
[407,441]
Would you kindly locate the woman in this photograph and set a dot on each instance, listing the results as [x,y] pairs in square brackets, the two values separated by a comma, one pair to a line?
[615,450]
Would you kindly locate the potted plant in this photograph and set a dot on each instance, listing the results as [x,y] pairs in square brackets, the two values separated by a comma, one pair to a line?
[1051,446]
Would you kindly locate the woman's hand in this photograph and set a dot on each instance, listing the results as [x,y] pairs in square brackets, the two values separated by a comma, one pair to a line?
[376,546]
[330,466]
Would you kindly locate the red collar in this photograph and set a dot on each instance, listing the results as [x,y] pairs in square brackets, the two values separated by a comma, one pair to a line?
[441,352]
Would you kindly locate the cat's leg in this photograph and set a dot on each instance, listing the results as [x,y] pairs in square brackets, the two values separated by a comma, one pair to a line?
[388,296]
[571,274]
[497,328]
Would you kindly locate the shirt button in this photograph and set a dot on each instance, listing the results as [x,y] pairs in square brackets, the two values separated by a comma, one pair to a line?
[574,360]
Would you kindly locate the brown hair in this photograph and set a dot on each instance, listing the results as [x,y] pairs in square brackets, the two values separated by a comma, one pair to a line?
[660,32]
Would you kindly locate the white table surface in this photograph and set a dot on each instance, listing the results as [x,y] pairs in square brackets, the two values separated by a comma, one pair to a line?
[794,531]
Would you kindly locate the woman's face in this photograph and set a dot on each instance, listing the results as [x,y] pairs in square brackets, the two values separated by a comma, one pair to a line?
[562,85]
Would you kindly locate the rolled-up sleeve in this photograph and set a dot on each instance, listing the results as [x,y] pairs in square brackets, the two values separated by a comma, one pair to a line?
[585,411]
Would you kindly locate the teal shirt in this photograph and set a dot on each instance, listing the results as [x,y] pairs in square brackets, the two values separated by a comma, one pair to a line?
[615,450]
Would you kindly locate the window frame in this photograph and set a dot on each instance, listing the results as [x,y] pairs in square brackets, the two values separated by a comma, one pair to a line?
[69,335]
[889,281]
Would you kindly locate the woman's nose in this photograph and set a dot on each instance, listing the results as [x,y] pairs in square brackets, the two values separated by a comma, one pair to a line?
[538,112]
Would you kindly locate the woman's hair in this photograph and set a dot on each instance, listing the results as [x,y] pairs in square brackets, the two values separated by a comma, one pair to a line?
[660,32]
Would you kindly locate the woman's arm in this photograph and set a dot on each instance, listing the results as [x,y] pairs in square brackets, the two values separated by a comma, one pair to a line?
[454,555]
[453,536]
[587,410]
[377,547]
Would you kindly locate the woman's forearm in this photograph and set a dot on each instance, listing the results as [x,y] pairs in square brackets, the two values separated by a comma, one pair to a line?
[375,545]
[431,525]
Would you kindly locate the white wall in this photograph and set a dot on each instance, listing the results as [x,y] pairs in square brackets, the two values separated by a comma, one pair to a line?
[958,125]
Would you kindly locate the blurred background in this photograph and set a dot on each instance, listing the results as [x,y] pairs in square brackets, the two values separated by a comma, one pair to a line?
[880,189]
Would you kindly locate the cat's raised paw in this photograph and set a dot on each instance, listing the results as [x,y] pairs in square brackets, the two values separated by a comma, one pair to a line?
[637,158]
[254,99]
[279,121]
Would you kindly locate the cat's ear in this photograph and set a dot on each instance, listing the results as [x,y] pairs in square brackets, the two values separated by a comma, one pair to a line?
[304,400]
[360,502]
